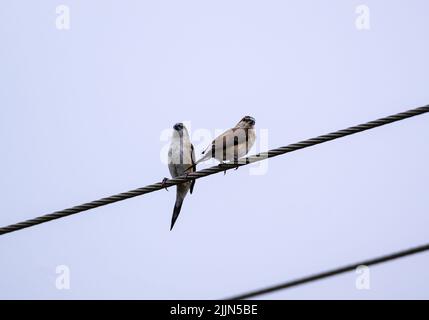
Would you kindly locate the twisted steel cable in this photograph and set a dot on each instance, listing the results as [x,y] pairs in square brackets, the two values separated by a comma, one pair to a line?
[215,169]
[333,272]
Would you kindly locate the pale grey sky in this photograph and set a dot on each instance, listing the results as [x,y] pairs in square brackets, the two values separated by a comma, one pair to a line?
[82,112]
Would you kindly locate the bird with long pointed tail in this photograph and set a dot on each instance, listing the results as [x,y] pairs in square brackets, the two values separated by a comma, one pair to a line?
[181,160]
[233,143]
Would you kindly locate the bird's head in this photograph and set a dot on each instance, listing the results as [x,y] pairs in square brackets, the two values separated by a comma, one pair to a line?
[178,126]
[247,122]
[180,131]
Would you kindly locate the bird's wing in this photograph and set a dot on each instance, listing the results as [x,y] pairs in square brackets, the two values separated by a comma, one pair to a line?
[218,142]
[229,137]
[193,168]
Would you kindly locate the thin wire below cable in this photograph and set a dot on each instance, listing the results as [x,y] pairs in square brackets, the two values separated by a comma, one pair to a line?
[330,273]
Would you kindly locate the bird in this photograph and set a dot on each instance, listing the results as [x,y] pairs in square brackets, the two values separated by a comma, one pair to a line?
[181,154]
[233,143]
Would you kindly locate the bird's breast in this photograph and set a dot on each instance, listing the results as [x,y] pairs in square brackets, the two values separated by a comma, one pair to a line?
[179,158]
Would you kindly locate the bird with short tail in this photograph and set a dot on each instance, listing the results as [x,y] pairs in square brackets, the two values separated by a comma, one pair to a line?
[233,143]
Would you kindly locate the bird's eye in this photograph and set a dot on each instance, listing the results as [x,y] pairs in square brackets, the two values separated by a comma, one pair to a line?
[249,119]
[178,126]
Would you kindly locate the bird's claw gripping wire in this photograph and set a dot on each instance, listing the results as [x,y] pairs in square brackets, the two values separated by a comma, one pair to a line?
[236,162]
[163,183]
[222,163]
[220,166]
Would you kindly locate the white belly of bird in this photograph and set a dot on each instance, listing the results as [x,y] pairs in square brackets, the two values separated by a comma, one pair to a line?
[176,159]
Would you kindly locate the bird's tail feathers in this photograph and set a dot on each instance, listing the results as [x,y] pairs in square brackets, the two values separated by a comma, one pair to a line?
[176,212]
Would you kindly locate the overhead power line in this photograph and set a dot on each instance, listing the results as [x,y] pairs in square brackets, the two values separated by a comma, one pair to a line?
[215,169]
[330,273]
